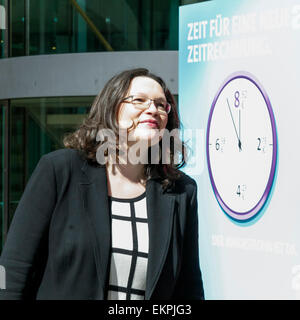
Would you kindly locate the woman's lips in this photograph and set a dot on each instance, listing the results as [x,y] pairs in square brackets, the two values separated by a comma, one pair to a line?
[150,123]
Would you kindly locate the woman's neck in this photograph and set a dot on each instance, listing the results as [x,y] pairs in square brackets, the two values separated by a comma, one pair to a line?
[125,180]
[134,173]
[122,165]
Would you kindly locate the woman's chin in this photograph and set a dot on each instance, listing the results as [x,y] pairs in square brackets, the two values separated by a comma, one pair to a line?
[149,136]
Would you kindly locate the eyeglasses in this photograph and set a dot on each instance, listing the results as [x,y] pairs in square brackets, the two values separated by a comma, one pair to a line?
[144,103]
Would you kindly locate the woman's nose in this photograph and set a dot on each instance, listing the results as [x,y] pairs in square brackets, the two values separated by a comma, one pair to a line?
[152,107]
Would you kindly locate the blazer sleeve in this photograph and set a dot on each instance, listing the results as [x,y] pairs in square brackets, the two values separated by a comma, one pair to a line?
[189,285]
[25,243]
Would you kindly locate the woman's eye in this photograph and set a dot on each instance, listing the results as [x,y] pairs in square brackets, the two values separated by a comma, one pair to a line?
[139,100]
[160,105]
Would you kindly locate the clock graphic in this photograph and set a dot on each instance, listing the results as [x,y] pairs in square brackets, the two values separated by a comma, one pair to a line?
[241,146]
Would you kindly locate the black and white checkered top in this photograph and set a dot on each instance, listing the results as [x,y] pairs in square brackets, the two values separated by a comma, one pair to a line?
[129,252]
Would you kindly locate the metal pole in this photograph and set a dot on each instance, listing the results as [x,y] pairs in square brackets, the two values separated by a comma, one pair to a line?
[7,29]
[27,27]
[6,131]
[6,171]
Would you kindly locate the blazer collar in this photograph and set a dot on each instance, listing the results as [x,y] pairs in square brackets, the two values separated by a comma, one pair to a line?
[160,210]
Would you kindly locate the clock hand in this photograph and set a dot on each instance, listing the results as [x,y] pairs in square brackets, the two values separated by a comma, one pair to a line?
[239,141]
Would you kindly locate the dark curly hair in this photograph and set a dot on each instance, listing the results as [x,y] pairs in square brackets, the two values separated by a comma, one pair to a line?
[103,114]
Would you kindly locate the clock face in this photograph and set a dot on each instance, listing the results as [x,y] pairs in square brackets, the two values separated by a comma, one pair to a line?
[241,146]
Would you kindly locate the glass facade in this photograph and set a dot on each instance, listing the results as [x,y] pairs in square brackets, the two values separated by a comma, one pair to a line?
[32,127]
[69,26]
[37,127]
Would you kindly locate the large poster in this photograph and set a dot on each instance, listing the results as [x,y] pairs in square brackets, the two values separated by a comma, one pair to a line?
[239,93]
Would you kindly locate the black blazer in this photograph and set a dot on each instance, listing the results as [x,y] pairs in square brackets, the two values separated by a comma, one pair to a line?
[58,244]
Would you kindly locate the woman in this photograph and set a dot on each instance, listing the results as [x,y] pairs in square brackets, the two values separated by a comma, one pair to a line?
[117,230]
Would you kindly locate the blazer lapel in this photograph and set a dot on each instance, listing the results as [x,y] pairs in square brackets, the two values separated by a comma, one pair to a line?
[160,209]
[95,203]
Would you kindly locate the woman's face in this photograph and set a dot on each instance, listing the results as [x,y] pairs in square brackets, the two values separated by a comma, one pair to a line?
[144,124]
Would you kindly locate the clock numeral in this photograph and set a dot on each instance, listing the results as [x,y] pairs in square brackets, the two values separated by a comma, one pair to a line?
[259,142]
[236,99]
[262,144]
[239,98]
[241,191]
[217,144]
[238,191]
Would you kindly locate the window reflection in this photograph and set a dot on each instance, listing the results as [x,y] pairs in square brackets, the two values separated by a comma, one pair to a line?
[37,127]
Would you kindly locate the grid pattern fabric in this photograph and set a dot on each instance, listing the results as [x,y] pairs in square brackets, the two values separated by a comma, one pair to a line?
[129,251]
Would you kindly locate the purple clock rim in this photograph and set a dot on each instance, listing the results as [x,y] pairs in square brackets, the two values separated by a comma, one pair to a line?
[242,216]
